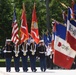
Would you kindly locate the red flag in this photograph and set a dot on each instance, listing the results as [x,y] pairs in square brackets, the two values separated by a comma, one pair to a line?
[15,36]
[34,27]
[24,28]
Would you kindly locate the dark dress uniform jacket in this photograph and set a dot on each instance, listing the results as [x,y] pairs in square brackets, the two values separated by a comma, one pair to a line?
[42,50]
[8,48]
[29,52]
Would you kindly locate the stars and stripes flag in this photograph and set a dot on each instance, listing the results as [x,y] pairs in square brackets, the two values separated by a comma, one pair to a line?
[63,54]
[34,26]
[15,29]
[24,27]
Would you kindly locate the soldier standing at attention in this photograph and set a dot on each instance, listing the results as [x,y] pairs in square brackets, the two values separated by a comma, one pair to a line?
[16,58]
[24,55]
[49,61]
[32,55]
[8,54]
[42,50]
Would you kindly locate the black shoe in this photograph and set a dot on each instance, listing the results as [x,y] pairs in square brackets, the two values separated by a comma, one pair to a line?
[8,70]
[44,70]
[25,70]
[34,70]
[17,70]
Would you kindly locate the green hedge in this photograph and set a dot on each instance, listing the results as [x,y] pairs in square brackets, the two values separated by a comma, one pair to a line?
[2,63]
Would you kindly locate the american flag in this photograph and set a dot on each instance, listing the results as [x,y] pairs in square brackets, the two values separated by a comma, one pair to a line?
[15,29]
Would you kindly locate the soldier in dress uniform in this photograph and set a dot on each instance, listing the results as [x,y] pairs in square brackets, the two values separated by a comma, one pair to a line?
[8,54]
[42,50]
[32,55]
[16,54]
[24,55]
[49,56]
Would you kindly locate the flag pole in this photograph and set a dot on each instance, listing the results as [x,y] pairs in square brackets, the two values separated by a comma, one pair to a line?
[47,15]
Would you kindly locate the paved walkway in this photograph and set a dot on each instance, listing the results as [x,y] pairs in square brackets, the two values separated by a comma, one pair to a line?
[48,72]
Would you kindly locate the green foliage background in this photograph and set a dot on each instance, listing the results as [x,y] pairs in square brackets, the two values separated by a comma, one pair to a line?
[6,14]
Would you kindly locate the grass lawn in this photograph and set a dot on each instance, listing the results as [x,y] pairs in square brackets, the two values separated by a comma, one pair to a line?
[2,60]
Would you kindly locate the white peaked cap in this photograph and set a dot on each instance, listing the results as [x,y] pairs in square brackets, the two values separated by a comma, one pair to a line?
[8,39]
[41,41]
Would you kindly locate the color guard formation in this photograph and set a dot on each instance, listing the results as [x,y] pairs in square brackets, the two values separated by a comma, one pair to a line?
[28,51]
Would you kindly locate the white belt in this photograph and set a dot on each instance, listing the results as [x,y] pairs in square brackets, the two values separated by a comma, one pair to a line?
[41,52]
[7,51]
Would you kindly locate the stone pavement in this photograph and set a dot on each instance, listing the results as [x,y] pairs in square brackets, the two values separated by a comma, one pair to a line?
[48,72]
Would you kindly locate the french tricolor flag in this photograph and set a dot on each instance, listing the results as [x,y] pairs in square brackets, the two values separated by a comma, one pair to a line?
[71,32]
[63,54]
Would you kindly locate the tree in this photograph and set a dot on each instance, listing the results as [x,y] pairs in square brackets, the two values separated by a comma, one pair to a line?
[5,20]
[6,14]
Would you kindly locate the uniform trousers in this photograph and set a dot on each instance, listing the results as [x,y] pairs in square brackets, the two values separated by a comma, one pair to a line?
[8,64]
[16,63]
[48,61]
[24,62]
[43,63]
[33,62]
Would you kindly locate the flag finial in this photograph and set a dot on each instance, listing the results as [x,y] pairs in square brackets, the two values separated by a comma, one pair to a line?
[23,6]
[34,5]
